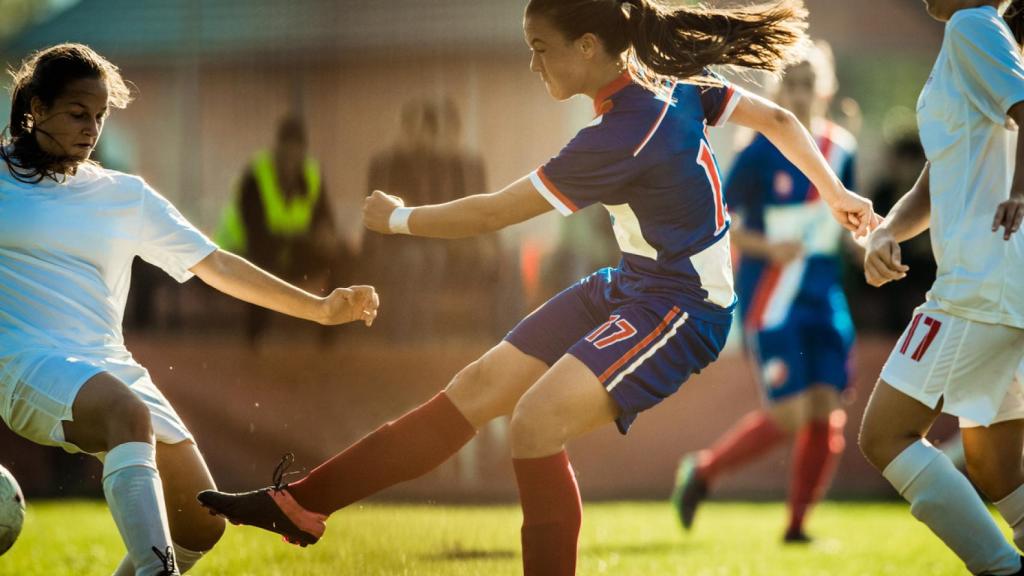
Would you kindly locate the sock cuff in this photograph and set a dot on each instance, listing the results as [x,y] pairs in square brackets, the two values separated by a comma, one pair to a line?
[909,464]
[1011,508]
[129,454]
[456,422]
[183,555]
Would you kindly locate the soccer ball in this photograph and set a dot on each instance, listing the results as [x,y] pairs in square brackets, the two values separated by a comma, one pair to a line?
[12,510]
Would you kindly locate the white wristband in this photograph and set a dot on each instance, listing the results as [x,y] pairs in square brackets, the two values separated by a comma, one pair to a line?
[398,223]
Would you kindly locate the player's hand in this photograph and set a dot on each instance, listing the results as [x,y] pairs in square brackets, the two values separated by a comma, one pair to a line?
[377,209]
[855,213]
[1009,215]
[785,251]
[882,259]
[349,305]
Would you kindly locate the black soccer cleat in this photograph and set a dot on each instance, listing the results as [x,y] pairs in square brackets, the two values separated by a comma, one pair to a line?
[1017,573]
[690,489]
[272,509]
[796,537]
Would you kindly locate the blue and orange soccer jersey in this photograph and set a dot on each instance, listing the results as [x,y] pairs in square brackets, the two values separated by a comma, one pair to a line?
[795,315]
[664,313]
[648,161]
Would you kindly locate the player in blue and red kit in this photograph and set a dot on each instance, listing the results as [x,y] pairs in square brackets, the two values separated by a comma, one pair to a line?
[795,320]
[621,340]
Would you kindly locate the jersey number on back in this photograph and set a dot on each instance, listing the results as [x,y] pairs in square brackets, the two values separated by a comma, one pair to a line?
[624,330]
[706,159]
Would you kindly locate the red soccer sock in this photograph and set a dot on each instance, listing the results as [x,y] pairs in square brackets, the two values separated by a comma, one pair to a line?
[552,513]
[815,456]
[398,451]
[751,437]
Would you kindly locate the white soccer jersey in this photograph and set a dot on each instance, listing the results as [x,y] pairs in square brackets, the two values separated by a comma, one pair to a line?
[66,253]
[962,116]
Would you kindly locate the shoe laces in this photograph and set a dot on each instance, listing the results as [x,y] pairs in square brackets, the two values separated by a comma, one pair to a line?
[167,557]
[281,471]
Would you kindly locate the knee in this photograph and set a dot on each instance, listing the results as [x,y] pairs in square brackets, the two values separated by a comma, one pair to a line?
[129,420]
[535,430]
[872,445]
[477,391]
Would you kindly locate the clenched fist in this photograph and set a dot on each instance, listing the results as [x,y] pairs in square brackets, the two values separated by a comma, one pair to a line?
[377,209]
[350,304]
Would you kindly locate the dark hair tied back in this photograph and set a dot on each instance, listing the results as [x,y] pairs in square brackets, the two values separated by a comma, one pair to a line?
[45,75]
[663,42]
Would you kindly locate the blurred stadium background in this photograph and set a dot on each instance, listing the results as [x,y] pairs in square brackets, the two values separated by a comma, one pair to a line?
[213,78]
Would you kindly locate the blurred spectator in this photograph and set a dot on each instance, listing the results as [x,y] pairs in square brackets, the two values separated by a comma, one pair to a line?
[408,271]
[281,221]
[473,264]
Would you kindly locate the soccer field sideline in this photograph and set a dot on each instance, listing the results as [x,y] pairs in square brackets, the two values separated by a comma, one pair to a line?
[622,538]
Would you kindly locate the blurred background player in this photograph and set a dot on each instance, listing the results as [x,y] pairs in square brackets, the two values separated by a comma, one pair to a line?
[69,230]
[796,324]
[622,339]
[960,350]
[281,220]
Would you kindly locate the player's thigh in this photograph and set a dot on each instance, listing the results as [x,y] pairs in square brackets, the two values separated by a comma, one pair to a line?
[105,412]
[566,402]
[892,421]
[822,399]
[491,385]
[184,474]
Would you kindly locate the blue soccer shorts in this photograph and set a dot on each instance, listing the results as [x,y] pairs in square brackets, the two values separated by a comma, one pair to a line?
[812,347]
[640,347]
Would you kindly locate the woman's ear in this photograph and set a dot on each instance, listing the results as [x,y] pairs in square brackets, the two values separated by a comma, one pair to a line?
[588,45]
[37,109]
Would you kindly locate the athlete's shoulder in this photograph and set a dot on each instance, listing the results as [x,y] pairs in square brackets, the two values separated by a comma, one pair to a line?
[970,18]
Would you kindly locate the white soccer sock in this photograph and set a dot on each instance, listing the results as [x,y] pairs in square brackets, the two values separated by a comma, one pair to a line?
[942,498]
[183,557]
[132,487]
[186,558]
[1012,510]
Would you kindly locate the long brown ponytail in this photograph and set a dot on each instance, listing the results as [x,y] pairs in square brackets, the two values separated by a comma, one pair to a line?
[679,42]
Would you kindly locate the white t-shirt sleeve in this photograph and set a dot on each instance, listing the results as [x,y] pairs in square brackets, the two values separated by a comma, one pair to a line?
[988,61]
[167,240]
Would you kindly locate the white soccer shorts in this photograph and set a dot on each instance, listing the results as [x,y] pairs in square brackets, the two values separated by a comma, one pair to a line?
[38,389]
[970,366]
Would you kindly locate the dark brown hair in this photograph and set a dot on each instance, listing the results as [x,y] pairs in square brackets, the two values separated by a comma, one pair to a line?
[679,42]
[1015,19]
[45,74]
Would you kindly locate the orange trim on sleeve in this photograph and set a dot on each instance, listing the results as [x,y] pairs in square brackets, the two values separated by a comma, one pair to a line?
[554,190]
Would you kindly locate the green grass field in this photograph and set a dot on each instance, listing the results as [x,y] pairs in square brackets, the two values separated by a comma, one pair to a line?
[78,538]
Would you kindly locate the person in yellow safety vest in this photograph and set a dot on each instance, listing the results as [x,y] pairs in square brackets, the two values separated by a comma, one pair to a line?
[280,219]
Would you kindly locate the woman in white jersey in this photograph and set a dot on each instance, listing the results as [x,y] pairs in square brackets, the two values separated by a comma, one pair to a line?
[69,230]
[959,353]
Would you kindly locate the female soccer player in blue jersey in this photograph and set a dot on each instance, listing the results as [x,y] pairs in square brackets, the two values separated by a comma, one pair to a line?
[960,350]
[795,319]
[621,340]
[69,230]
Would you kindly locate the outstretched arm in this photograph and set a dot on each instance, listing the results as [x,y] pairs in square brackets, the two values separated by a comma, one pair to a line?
[908,218]
[237,277]
[782,128]
[462,218]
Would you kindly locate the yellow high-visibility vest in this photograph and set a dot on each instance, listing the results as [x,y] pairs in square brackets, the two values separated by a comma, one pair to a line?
[284,216]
